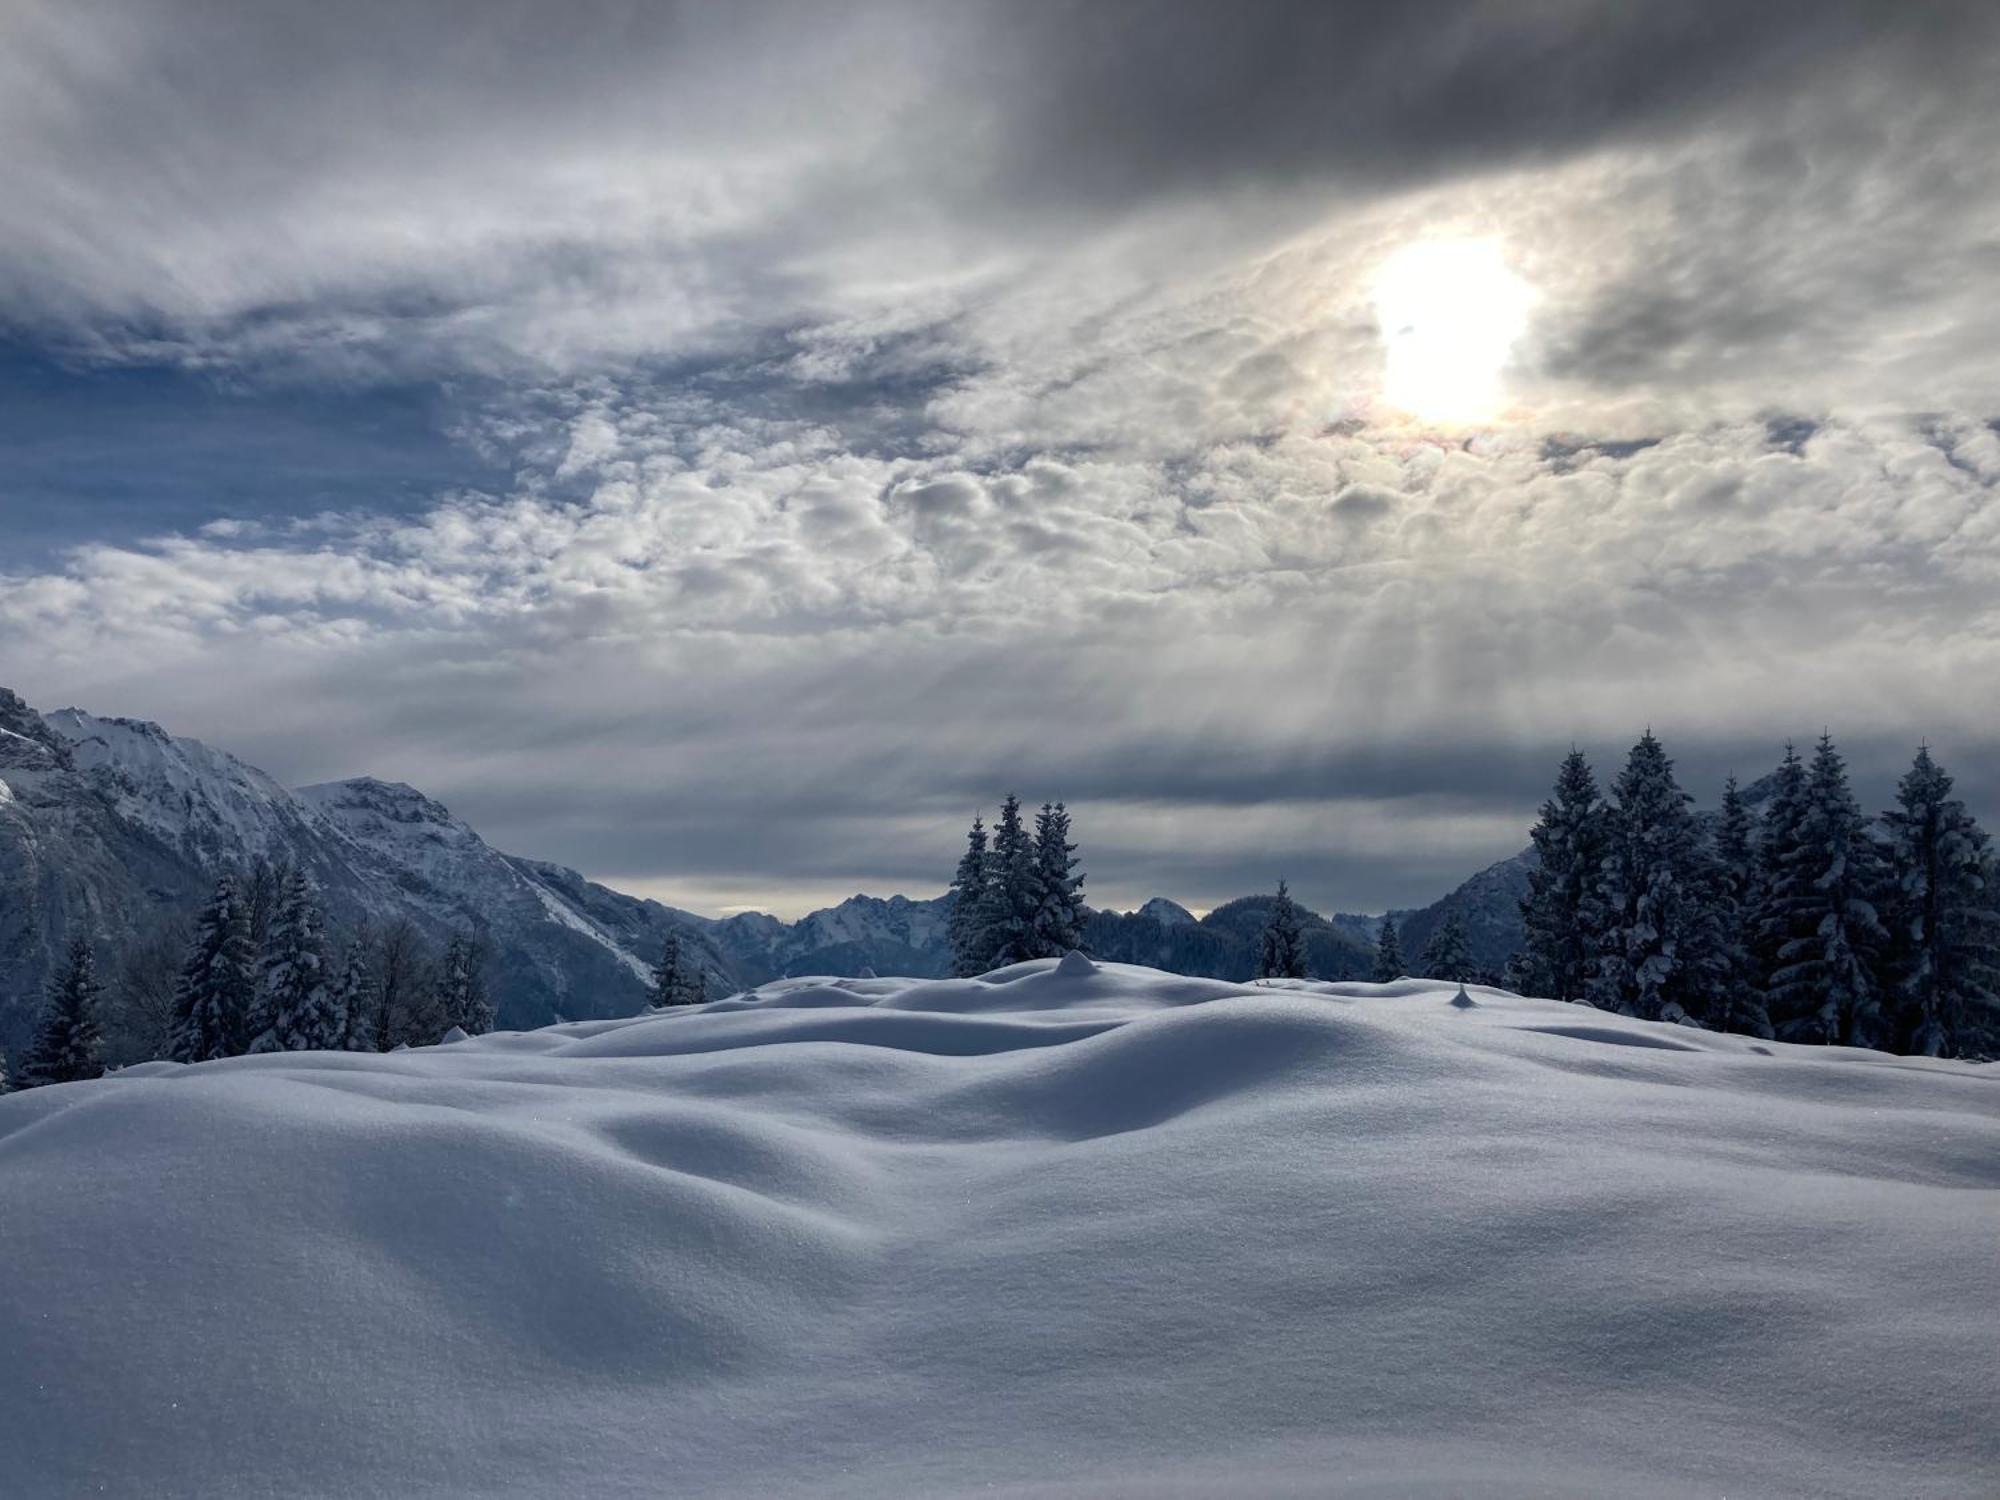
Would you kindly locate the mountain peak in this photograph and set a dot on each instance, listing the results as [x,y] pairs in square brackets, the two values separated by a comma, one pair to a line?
[360,797]
[1166,913]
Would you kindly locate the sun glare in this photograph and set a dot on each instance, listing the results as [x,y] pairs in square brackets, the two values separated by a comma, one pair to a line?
[1450,311]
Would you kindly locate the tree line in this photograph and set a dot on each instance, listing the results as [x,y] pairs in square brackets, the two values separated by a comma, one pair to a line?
[1017,894]
[260,974]
[1802,919]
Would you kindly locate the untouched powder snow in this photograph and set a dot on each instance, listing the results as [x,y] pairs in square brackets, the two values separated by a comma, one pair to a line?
[1091,1232]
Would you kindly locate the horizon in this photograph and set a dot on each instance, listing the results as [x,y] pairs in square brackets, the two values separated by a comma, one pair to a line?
[716,451]
[833,894]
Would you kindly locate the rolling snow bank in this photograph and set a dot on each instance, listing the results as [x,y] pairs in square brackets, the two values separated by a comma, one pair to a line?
[1092,1232]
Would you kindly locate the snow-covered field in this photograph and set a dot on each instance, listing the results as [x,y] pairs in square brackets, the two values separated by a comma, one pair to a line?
[1098,1233]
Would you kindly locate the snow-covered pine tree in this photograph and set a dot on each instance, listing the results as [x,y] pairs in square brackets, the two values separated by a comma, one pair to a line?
[295,1001]
[6,1083]
[1944,950]
[218,982]
[1281,949]
[1059,917]
[355,999]
[1389,961]
[462,988]
[1827,986]
[1014,886]
[1661,957]
[1739,1001]
[1563,913]
[1777,846]
[1448,955]
[672,984]
[972,906]
[68,1043]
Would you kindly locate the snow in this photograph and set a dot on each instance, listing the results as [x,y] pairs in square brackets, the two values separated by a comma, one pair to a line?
[1075,1229]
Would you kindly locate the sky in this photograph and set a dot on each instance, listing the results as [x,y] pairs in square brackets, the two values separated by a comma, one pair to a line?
[724,447]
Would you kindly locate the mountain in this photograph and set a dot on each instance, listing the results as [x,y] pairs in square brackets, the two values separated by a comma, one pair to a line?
[117,827]
[1221,945]
[1490,906]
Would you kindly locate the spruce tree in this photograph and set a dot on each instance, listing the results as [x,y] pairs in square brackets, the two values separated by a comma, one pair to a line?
[1777,847]
[1739,1000]
[672,984]
[971,908]
[1014,891]
[1448,955]
[218,982]
[1826,987]
[1563,913]
[1059,914]
[1661,957]
[1281,949]
[1944,950]
[295,1000]
[68,1043]
[462,988]
[1389,963]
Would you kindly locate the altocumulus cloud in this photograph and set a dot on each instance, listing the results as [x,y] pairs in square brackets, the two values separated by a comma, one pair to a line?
[905,405]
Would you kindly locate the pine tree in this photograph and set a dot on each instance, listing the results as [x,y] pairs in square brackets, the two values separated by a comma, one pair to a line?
[1281,950]
[672,984]
[1389,962]
[1563,913]
[1826,987]
[1014,891]
[1777,847]
[971,909]
[6,1083]
[1739,1002]
[68,1044]
[1448,955]
[1944,955]
[1661,957]
[218,981]
[295,1001]
[1059,914]
[462,988]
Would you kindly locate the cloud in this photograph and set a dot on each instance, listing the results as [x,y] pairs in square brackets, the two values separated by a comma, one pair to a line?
[871,412]
[778,656]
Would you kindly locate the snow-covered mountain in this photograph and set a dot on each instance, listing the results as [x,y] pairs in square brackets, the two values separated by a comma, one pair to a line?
[1066,1230]
[113,826]
[1166,913]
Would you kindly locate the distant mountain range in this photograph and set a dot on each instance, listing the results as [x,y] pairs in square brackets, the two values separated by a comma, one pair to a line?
[116,827]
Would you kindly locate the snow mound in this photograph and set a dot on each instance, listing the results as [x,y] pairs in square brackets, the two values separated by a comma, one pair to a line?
[1068,1228]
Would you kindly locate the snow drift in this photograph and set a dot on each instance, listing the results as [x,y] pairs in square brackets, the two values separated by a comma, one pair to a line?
[1096,1231]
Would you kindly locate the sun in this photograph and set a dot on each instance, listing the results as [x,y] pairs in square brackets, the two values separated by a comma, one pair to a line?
[1450,311]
